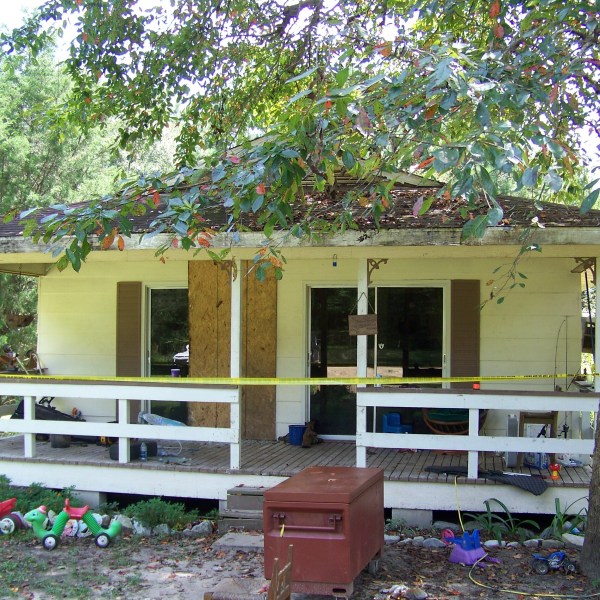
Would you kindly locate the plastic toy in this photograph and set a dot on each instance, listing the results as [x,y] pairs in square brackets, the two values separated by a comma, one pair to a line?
[38,517]
[554,468]
[9,520]
[467,548]
[555,560]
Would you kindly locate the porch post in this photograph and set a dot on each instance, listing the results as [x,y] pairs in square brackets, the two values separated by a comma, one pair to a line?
[123,419]
[361,361]
[235,360]
[29,415]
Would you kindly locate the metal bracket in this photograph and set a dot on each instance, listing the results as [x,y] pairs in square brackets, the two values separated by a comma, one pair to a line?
[583,264]
[372,264]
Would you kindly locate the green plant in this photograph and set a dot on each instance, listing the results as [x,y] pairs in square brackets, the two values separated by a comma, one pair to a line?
[155,512]
[567,521]
[35,495]
[396,525]
[497,526]
[212,515]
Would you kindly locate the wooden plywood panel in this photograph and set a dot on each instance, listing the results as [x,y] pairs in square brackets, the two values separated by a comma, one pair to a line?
[209,293]
[464,330]
[259,358]
[129,335]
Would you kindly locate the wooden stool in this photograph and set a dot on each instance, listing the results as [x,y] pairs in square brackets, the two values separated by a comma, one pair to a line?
[537,418]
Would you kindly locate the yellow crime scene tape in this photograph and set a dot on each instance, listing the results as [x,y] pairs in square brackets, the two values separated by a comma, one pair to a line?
[236,381]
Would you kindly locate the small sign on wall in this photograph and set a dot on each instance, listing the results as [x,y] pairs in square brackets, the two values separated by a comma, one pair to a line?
[362,324]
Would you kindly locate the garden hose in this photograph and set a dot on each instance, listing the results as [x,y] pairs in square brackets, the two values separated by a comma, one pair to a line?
[510,591]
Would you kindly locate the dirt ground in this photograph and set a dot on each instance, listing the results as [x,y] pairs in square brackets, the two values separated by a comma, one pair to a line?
[183,567]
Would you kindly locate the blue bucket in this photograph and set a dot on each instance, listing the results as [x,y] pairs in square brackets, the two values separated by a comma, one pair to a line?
[296,433]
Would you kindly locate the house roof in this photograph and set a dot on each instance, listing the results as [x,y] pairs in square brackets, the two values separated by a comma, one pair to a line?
[402,214]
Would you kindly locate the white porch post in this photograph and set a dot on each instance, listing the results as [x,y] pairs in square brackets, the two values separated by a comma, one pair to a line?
[235,359]
[361,360]
[29,415]
[123,418]
[473,456]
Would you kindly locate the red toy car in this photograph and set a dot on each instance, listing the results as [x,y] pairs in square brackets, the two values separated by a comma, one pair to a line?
[9,520]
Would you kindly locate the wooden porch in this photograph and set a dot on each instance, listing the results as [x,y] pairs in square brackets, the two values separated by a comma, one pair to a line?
[280,459]
[268,462]
[213,460]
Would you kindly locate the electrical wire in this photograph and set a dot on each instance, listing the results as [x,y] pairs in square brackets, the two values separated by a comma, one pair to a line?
[497,589]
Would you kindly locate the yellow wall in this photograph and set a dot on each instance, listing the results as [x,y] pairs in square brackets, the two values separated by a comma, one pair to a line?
[536,330]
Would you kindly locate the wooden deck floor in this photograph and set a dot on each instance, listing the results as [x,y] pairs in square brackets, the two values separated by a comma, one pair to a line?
[275,458]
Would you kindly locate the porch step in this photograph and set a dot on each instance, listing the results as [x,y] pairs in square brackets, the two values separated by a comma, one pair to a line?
[243,509]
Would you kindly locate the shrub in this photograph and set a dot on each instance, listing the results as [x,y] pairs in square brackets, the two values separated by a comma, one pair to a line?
[155,512]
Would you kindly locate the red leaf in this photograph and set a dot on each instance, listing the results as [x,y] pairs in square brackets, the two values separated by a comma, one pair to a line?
[498,31]
[120,243]
[553,94]
[260,189]
[494,9]
[425,163]
[234,159]
[156,198]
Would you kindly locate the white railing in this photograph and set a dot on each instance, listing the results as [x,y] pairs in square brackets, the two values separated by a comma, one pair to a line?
[107,392]
[474,401]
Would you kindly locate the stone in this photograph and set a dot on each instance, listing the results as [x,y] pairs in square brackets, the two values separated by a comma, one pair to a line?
[140,529]
[535,543]
[162,529]
[572,540]
[391,539]
[552,544]
[433,543]
[203,528]
[126,523]
[418,540]
[415,593]
[441,525]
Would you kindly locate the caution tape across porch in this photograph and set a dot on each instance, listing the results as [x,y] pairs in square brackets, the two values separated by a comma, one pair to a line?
[242,381]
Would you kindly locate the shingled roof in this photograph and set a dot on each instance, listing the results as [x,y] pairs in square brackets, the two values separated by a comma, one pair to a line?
[402,214]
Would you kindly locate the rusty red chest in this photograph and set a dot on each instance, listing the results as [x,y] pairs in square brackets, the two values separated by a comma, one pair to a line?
[334,518]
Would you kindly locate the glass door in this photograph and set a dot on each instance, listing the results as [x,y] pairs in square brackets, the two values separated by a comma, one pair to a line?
[410,341]
[168,338]
[332,354]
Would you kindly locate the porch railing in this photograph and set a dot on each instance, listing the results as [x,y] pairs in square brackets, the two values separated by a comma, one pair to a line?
[33,389]
[474,401]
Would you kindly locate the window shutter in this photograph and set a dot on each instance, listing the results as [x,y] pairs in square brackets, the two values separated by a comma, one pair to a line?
[464,330]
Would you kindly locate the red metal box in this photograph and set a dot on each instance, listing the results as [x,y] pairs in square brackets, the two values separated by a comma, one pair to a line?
[334,518]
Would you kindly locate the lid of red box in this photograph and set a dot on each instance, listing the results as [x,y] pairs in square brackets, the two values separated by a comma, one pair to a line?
[325,484]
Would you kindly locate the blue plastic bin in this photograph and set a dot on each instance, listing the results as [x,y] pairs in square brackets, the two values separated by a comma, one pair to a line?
[392,423]
[296,433]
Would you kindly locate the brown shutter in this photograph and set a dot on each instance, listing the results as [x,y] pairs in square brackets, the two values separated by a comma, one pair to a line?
[464,330]
[129,334]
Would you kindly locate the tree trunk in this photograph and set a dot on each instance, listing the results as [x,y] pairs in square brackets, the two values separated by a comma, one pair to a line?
[590,557]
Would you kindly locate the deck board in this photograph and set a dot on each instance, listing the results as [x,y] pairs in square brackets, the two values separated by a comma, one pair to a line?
[277,458]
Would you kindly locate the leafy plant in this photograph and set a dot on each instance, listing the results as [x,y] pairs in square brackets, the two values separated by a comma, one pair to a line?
[567,521]
[35,495]
[497,525]
[156,511]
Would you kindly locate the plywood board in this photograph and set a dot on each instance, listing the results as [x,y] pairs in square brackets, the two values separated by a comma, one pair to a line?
[209,293]
[259,357]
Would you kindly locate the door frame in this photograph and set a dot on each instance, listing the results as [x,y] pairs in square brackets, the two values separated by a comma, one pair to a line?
[444,284]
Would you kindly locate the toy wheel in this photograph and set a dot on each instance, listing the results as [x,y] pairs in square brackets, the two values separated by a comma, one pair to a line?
[570,567]
[102,540]
[540,566]
[9,523]
[50,541]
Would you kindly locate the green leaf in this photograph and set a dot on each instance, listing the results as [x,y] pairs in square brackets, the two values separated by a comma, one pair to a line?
[303,75]
[475,228]
[495,215]
[588,202]
[530,176]
[553,180]
[348,159]
[298,96]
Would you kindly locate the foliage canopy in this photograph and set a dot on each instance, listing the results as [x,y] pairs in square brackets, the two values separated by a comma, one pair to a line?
[461,92]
